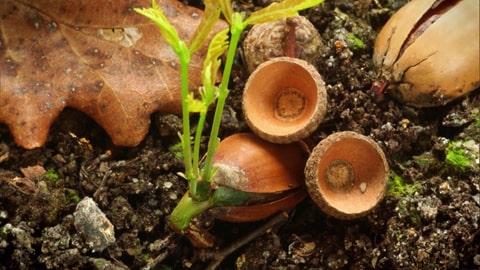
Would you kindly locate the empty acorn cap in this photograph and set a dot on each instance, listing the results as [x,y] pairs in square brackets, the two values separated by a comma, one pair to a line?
[284,100]
[346,175]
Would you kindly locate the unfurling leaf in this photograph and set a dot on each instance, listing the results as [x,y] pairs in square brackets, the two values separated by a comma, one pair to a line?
[196,105]
[211,15]
[278,10]
[155,13]
[227,10]
[217,48]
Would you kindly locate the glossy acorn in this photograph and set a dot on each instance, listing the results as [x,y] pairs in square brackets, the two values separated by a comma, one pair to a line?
[346,175]
[284,100]
[255,178]
[427,53]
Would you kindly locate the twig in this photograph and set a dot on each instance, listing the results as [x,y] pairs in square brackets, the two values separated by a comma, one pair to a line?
[155,261]
[279,218]
[102,184]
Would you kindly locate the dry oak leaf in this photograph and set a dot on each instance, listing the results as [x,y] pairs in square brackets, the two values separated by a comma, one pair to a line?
[99,57]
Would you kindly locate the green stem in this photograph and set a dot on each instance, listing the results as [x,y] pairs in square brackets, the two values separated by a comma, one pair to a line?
[189,207]
[186,209]
[223,93]
[196,145]
[187,151]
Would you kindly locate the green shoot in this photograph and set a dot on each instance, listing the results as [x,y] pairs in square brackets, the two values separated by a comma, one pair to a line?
[201,194]
[170,34]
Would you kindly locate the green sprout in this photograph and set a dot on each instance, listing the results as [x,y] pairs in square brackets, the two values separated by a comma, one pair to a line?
[202,194]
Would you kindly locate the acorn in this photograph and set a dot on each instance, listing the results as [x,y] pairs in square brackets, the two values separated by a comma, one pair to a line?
[293,37]
[427,54]
[255,178]
[347,175]
[284,100]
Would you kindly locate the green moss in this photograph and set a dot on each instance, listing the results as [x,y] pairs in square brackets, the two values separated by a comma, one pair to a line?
[355,42]
[457,158]
[398,188]
[71,196]
[425,161]
[177,149]
[51,175]
[477,121]
[146,257]
[54,213]
[74,199]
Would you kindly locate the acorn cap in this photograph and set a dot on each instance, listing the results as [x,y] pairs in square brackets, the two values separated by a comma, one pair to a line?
[347,175]
[284,100]
[294,37]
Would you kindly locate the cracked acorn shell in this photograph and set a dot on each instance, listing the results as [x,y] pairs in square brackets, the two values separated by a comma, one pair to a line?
[284,100]
[247,163]
[346,175]
[428,52]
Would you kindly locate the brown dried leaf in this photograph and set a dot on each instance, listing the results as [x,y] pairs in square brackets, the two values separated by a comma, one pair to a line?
[33,171]
[99,57]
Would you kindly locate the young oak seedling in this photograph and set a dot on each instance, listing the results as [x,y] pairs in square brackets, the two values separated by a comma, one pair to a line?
[202,194]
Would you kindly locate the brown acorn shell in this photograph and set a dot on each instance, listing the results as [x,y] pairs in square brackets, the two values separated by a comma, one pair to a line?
[257,212]
[247,163]
[284,100]
[428,52]
[268,40]
[370,175]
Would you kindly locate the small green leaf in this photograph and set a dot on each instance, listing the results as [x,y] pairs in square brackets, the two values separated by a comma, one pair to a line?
[169,32]
[301,5]
[217,48]
[279,10]
[196,105]
[227,10]
[209,18]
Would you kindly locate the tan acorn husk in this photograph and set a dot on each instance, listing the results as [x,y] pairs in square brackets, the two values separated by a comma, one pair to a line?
[436,64]
[284,100]
[370,175]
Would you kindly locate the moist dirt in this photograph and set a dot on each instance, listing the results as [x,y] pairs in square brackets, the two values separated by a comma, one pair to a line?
[428,220]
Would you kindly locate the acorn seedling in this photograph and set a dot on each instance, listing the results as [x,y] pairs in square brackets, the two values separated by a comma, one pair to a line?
[202,194]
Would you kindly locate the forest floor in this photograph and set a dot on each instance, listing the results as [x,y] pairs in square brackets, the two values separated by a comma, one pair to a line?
[429,218]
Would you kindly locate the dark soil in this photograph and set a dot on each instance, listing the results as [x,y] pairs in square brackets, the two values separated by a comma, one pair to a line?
[428,220]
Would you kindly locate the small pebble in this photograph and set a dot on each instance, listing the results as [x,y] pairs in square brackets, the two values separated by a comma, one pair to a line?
[363,187]
[92,224]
